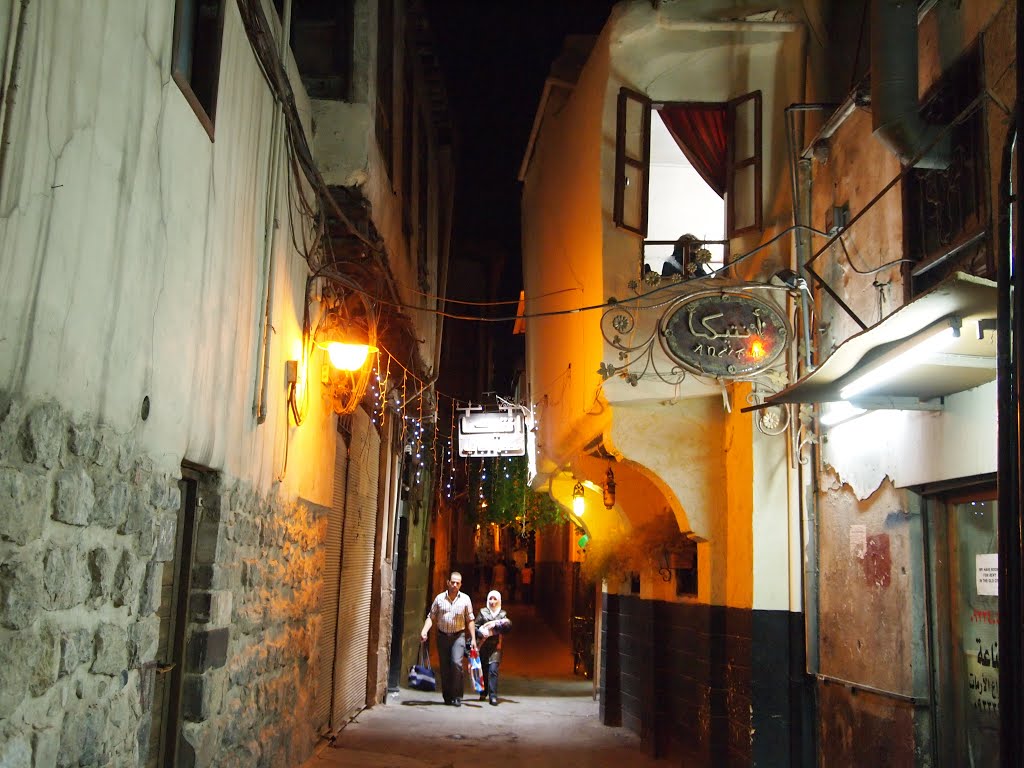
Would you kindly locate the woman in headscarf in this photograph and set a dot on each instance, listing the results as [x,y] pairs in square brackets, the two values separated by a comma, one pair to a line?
[492,623]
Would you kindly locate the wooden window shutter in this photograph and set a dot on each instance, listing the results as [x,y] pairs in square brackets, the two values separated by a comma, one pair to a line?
[632,160]
[743,179]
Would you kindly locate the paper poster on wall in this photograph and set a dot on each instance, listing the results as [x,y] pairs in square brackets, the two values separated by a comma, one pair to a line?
[987,573]
[858,541]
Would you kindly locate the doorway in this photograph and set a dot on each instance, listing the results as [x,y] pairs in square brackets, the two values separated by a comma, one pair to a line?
[965,607]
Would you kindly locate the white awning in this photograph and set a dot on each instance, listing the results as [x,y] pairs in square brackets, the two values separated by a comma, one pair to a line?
[896,351]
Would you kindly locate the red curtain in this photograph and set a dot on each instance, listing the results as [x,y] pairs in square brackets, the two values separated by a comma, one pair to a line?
[699,130]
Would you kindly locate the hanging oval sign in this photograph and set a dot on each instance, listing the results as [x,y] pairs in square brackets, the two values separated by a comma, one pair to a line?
[727,335]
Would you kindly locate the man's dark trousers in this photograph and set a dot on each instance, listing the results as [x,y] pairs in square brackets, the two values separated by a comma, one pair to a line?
[451,650]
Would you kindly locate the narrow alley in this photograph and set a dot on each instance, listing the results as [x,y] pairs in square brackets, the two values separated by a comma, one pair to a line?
[545,717]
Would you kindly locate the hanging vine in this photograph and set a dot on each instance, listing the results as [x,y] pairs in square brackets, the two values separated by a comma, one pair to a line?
[502,496]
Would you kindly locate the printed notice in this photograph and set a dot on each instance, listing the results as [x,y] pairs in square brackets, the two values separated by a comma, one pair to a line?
[987,567]
[858,541]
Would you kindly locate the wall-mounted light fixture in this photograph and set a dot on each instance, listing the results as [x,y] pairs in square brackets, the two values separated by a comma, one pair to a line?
[609,489]
[347,348]
[916,348]
[579,506]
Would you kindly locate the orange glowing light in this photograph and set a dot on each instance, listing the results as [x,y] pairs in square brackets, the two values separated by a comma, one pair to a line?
[757,350]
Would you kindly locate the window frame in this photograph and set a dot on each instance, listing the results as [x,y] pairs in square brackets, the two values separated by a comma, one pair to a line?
[384,118]
[183,60]
[734,164]
[625,161]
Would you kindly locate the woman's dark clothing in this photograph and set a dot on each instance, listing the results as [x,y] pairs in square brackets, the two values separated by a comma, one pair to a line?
[490,648]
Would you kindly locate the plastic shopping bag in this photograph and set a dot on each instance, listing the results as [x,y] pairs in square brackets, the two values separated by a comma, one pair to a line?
[475,670]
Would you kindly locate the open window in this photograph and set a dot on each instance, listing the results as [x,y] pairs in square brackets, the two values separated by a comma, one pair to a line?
[195,57]
[687,179]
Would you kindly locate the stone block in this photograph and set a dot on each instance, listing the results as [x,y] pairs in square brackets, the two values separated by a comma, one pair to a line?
[11,415]
[82,439]
[150,591]
[126,587]
[166,528]
[73,498]
[207,649]
[220,607]
[81,738]
[24,501]
[159,492]
[107,445]
[126,457]
[208,542]
[101,573]
[194,705]
[30,666]
[112,504]
[15,750]
[144,640]
[76,648]
[42,435]
[66,578]
[21,590]
[111,650]
[45,660]
[45,747]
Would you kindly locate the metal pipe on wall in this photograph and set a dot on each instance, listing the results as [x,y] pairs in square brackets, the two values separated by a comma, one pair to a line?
[1010,352]
[270,232]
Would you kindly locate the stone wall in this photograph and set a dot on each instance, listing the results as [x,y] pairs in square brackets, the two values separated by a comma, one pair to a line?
[87,527]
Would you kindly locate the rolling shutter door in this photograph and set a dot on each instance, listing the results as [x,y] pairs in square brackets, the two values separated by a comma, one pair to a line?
[329,596]
[360,521]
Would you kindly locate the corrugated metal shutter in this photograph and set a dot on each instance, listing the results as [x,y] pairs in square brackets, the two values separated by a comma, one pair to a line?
[329,597]
[356,570]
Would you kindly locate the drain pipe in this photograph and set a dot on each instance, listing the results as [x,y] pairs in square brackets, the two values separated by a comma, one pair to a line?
[10,87]
[895,116]
[270,231]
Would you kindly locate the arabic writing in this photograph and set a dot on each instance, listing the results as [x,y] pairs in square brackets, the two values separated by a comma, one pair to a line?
[731,331]
[984,617]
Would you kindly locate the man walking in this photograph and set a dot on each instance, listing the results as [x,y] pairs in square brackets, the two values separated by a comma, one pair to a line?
[452,612]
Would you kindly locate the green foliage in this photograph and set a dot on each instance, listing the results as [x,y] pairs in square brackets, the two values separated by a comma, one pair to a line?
[500,494]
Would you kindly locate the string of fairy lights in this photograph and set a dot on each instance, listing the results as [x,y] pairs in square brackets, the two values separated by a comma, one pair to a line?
[428,443]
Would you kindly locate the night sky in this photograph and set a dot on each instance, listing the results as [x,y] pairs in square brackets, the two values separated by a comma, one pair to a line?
[495,56]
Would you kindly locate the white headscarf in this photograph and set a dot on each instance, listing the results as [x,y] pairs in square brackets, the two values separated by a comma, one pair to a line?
[496,610]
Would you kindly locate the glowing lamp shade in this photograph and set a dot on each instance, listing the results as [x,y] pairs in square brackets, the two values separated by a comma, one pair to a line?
[348,357]
[579,506]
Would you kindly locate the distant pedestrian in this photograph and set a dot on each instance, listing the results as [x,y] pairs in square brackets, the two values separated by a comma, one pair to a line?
[526,578]
[452,612]
[500,576]
[494,623]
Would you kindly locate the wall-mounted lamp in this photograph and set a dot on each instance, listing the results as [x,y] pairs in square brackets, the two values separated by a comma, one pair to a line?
[578,504]
[346,343]
[932,339]
[609,489]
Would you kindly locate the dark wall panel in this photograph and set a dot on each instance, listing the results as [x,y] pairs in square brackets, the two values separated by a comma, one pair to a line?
[706,683]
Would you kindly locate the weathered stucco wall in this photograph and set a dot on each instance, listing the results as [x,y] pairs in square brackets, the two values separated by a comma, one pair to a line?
[132,247]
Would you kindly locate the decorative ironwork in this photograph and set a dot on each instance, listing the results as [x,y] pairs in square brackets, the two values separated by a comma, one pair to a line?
[947,209]
[750,341]
[726,335]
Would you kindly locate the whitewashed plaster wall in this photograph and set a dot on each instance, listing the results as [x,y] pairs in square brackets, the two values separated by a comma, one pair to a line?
[132,247]
[916,447]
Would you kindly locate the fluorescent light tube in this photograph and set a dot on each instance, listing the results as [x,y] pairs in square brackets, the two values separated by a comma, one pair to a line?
[935,338]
